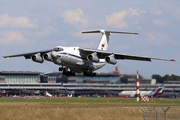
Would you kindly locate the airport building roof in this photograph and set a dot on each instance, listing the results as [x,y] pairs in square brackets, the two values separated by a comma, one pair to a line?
[20,72]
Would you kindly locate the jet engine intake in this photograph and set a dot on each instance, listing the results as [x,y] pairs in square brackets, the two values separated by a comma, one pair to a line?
[110,59]
[53,54]
[93,57]
[37,58]
[47,56]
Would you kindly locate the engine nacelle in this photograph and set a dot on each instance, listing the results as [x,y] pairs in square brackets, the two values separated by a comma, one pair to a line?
[47,56]
[110,59]
[93,57]
[37,58]
[54,54]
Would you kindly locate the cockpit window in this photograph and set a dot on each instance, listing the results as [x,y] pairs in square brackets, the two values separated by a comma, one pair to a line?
[58,49]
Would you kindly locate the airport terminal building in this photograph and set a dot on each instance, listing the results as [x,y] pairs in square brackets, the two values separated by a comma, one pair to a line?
[26,83]
[19,76]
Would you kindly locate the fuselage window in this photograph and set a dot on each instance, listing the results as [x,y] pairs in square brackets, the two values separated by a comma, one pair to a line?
[58,49]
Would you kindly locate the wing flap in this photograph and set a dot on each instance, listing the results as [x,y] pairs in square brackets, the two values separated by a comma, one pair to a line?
[131,57]
[103,54]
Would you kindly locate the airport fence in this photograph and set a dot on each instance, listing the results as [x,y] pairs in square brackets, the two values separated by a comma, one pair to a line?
[159,113]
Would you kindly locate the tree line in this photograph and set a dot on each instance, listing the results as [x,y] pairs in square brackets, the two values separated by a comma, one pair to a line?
[161,79]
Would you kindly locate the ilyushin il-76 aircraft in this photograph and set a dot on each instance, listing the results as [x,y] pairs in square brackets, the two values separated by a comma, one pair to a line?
[81,60]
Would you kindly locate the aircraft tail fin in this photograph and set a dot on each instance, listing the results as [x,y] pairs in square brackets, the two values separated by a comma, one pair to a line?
[159,90]
[103,45]
[48,94]
[173,90]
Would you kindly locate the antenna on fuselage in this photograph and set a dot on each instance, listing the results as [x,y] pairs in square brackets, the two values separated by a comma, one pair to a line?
[105,37]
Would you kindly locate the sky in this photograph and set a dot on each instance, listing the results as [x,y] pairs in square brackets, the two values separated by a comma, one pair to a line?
[28,26]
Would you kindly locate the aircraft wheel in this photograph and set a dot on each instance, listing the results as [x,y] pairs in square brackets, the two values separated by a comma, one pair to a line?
[60,68]
[64,72]
[89,74]
[94,74]
[85,73]
[68,73]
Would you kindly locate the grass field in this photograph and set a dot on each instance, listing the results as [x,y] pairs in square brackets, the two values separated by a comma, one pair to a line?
[79,108]
[118,101]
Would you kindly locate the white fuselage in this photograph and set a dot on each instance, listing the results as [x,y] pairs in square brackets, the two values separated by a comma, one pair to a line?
[133,93]
[142,93]
[77,61]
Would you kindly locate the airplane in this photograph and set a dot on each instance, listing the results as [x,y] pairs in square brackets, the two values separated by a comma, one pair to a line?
[81,60]
[169,94]
[142,93]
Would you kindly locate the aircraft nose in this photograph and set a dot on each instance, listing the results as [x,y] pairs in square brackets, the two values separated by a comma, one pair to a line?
[53,54]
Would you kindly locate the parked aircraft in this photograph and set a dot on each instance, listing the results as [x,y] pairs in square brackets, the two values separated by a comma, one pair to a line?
[169,94]
[81,60]
[142,93]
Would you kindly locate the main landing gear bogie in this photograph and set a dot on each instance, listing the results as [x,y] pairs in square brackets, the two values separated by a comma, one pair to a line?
[61,68]
[66,72]
[72,73]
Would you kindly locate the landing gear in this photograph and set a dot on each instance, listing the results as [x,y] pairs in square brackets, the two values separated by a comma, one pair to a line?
[94,74]
[66,72]
[60,68]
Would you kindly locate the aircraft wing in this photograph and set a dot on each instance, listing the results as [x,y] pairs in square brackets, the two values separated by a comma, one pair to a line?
[28,55]
[103,54]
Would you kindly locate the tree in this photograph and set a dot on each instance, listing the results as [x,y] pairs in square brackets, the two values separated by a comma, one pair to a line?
[157,77]
[160,79]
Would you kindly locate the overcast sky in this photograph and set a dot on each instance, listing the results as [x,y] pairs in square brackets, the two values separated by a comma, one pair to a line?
[28,26]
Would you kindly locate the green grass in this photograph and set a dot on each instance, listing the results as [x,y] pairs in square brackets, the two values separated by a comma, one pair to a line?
[92,100]
[81,108]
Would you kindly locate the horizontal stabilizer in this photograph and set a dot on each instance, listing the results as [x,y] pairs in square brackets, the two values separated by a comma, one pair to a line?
[105,37]
[104,31]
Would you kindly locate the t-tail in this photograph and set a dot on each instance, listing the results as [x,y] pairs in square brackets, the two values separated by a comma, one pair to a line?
[159,90]
[103,45]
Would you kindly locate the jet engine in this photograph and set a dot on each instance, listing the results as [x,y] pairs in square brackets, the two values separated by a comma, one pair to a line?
[37,58]
[47,56]
[93,57]
[55,57]
[54,54]
[110,59]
